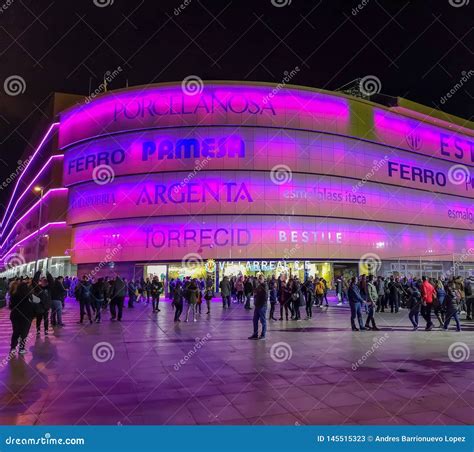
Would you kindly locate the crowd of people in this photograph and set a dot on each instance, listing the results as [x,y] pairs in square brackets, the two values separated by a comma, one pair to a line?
[41,298]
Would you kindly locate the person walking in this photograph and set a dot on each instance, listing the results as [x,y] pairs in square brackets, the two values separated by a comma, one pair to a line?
[156,291]
[42,290]
[309,295]
[469,293]
[248,291]
[428,293]
[83,293]
[272,288]
[178,300]
[132,293]
[191,295]
[99,295]
[319,289]
[58,294]
[453,306]
[355,303]
[119,290]
[21,315]
[260,311]
[372,298]
[225,292]
[284,296]
[414,303]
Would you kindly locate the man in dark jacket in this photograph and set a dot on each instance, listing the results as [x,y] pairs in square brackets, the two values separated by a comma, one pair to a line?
[355,302]
[469,293]
[83,294]
[260,312]
[58,294]
[42,290]
[119,290]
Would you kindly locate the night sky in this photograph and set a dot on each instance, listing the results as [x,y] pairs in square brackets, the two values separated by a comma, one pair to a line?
[417,49]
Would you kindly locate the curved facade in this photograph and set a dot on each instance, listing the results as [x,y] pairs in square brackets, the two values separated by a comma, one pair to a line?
[249,172]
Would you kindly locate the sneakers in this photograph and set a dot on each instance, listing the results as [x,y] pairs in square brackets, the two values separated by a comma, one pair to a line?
[23,351]
[339,304]
[262,337]
[254,336]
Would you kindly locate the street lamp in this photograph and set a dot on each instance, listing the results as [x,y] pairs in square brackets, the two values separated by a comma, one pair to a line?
[39,190]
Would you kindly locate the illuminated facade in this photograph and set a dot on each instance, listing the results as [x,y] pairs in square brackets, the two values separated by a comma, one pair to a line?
[245,177]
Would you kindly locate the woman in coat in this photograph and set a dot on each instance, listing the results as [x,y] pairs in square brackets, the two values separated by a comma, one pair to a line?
[21,315]
[192,293]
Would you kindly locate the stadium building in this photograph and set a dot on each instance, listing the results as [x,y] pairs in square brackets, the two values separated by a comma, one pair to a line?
[243,177]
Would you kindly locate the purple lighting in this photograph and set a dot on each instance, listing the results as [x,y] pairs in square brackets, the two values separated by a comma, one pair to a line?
[45,138]
[47,194]
[28,189]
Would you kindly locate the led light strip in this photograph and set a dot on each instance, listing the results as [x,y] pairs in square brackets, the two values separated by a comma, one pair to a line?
[38,231]
[53,190]
[45,138]
[4,226]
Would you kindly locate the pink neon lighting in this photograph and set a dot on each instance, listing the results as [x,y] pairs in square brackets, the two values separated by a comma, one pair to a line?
[45,138]
[49,192]
[58,156]
[38,231]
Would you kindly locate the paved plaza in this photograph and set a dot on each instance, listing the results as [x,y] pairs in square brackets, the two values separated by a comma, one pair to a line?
[149,370]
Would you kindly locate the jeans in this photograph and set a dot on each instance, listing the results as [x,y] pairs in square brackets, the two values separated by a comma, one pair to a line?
[452,315]
[45,318]
[247,300]
[116,304]
[370,316]
[309,307]
[131,300]
[272,309]
[356,311]
[178,310]
[156,302]
[85,307]
[394,303]
[260,314]
[469,302]
[240,296]
[286,307]
[426,313]
[57,312]
[98,304]
[413,316]
[226,301]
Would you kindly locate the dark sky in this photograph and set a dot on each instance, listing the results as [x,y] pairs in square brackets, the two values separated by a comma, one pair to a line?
[418,49]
